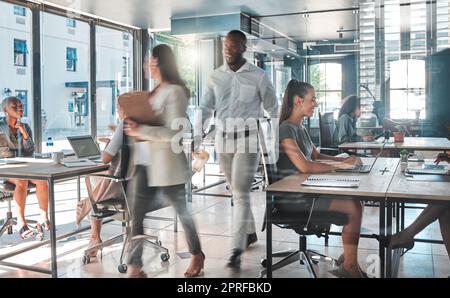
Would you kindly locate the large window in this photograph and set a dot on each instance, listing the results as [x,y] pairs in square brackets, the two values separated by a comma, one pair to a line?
[327,81]
[20,52]
[407,89]
[15,60]
[65,86]
[114,74]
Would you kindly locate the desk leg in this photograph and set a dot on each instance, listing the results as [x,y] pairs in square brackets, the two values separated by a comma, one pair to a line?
[78,189]
[51,203]
[398,217]
[381,246]
[402,207]
[269,234]
[388,237]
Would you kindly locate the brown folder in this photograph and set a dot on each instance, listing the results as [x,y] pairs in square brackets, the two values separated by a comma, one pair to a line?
[137,106]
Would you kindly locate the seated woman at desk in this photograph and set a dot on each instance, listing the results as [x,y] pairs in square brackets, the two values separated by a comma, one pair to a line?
[298,154]
[405,238]
[116,153]
[346,127]
[15,130]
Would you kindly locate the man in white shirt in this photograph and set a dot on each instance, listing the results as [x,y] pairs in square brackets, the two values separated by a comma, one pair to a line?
[238,91]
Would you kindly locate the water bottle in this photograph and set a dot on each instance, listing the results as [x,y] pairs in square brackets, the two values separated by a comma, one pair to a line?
[49,145]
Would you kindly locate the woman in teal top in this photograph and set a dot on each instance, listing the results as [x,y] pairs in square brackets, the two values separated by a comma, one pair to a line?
[348,114]
[298,154]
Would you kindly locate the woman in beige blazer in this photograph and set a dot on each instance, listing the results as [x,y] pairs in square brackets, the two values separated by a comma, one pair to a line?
[161,166]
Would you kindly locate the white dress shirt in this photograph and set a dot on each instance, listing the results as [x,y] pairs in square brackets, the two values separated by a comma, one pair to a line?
[241,94]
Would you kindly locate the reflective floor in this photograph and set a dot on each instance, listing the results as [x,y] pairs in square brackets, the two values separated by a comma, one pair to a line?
[213,218]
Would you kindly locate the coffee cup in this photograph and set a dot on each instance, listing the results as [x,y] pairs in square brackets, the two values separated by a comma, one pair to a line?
[57,156]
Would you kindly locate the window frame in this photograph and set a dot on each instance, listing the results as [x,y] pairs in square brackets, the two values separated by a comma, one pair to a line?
[326,91]
[409,89]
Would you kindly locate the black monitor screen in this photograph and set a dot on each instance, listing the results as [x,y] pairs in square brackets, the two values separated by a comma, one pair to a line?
[84,147]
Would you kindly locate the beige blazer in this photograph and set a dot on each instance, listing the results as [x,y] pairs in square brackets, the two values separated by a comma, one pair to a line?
[165,166]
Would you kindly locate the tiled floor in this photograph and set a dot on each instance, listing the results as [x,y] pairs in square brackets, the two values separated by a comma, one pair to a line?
[213,218]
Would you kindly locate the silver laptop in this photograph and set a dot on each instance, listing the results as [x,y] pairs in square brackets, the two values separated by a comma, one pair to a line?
[85,147]
[364,168]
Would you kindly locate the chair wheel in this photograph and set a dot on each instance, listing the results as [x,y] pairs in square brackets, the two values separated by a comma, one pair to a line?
[86,259]
[122,268]
[165,257]
[264,263]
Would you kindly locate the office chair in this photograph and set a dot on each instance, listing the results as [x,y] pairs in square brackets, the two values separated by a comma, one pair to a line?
[327,127]
[305,223]
[118,209]
[7,195]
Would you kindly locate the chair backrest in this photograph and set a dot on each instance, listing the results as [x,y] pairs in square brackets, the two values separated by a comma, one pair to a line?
[327,126]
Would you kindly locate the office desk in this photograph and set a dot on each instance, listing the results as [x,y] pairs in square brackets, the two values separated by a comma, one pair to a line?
[42,169]
[373,185]
[402,190]
[425,144]
[392,149]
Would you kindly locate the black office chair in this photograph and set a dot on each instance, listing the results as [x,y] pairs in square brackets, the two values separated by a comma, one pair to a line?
[118,209]
[305,223]
[327,126]
[6,196]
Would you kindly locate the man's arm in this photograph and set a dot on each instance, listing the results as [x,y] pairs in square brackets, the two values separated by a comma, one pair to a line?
[204,114]
[268,96]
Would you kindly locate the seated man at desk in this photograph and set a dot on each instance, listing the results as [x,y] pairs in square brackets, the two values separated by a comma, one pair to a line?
[405,238]
[298,154]
[19,135]
[346,127]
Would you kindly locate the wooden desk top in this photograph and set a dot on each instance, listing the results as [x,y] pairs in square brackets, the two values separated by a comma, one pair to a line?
[438,144]
[402,188]
[40,169]
[373,184]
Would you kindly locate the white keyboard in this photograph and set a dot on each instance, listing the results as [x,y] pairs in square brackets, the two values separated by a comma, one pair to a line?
[81,162]
[331,181]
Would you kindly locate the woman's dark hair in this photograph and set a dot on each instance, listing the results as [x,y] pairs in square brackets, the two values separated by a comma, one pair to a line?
[293,88]
[350,104]
[168,66]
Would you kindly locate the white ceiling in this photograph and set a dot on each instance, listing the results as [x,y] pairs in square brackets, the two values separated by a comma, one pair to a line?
[156,14]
